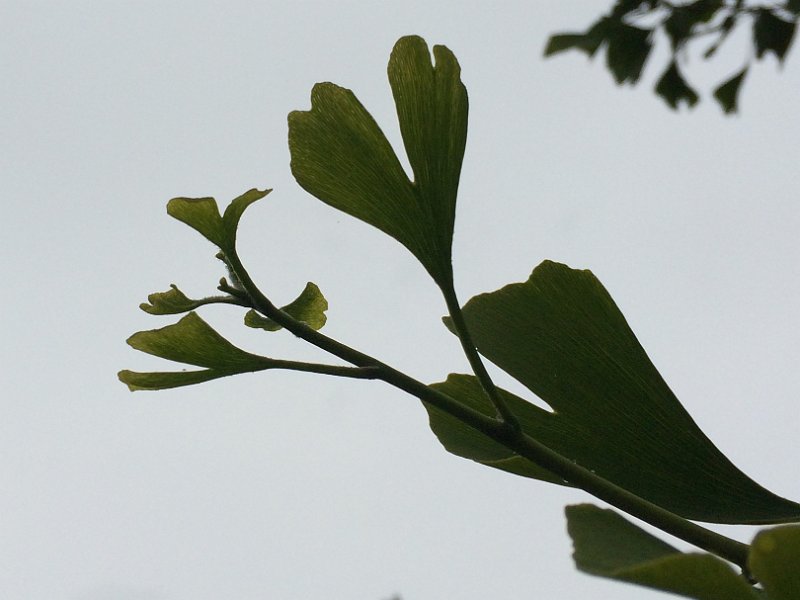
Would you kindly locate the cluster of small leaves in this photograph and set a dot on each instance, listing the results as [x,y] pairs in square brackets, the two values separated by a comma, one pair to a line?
[628,33]
[191,340]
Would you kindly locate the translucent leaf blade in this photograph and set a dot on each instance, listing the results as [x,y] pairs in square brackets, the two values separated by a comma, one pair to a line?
[609,546]
[202,215]
[309,307]
[561,335]
[192,341]
[166,380]
[341,156]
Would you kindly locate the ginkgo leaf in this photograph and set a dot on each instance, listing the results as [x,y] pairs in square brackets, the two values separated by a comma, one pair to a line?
[174,301]
[191,341]
[561,335]
[309,307]
[202,214]
[341,156]
[610,546]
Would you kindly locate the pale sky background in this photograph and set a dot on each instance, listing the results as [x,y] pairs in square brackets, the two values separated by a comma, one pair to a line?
[286,486]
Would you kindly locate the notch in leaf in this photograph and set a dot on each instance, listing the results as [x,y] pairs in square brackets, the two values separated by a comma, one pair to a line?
[341,156]
[191,341]
[202,215]
[562,336]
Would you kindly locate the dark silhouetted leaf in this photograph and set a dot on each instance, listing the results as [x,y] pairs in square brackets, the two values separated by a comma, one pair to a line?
[727,94]
[628,49]
[588,42]
[309,307]
[772,34]
[561,335]
[684,18]
[674,89]
[775,561]
[202,215]
[340,155]
[191,341]
[610,546]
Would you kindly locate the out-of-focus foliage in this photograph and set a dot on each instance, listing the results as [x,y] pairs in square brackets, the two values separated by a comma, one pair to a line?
[697,28]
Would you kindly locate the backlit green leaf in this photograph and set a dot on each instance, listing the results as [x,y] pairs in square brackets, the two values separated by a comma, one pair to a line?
[561,335]
[192,341]
[202,215]
[340,155]
[163,381]
[174,301]
[610,546]
[309,307]
[775,561]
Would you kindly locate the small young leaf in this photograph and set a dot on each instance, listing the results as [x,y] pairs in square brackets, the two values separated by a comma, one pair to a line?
[727,94]
[202,215]
[628,49]
[174,301]
[775,561]
[772,34]
[233,213]
[309,307]
[340,155]
[171,302]
[673,88]
[561,335]
[193,341]
[610,546]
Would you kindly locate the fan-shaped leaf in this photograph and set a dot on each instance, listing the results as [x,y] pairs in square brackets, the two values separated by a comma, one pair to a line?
[174,301]
[608,545]
[202,215]
[561,335]
[309,307]
[192,341]
[340,155]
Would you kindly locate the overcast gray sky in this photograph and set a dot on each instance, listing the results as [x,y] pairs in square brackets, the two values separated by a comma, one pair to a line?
[283,486]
